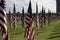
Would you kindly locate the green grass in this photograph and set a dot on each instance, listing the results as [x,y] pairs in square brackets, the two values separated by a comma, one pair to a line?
[50,32]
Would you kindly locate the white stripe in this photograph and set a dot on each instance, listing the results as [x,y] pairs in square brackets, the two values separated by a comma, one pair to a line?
[3,10]
[32,35]
[27,21]
[3,18]
[4,36]
[3,25]
[28,17]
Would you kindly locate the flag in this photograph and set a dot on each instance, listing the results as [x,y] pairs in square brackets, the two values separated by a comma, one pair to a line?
[14,22]
[49,17]
[43,20]
[14,18]
[37,17]
[29,32]
[9,18]
[3,23]
[23,17]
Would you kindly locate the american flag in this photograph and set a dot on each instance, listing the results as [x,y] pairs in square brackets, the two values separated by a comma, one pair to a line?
[14,22]
[37,17]
[9,18]
[43,20]
[14,18]
[49,17]
[3,23]
[23,17]
[29,32]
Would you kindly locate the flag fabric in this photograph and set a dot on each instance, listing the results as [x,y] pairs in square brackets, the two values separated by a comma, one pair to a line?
[37,18]
[49,17]
[23,17]
[29,32]
[43,19]
[14,22]
[3,23]
[9,18]
[14,18]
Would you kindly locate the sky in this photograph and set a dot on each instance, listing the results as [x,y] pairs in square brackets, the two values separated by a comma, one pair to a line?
[47,4]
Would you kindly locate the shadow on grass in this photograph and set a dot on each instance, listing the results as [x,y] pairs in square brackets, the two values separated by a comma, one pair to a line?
[54,37]
[38,32]
[56,30]
[55,33]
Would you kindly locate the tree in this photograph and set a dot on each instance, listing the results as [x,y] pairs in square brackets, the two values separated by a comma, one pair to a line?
[9,13]
[14,9]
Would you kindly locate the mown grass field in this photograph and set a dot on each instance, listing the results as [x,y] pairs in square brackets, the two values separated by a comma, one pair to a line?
[50,32]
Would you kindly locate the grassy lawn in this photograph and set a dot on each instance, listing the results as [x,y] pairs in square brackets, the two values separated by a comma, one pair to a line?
[50,32]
